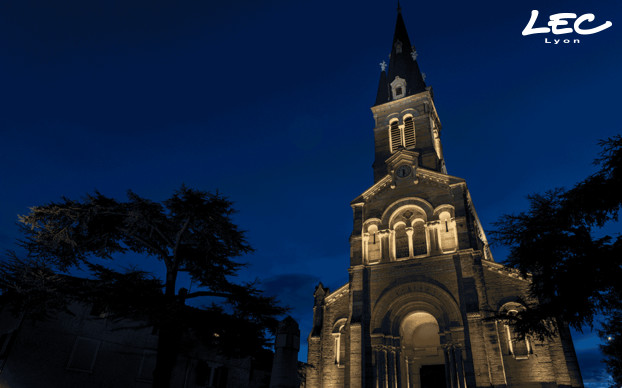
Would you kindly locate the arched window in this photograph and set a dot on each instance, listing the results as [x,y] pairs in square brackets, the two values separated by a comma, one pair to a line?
[398,88]
[339,338]
[401,242]
[447,232]
[409,132]
[518,347]
[373,244]
[420,243]
[395,135]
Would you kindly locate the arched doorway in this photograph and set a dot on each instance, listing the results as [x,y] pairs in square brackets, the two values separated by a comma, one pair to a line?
[423,358]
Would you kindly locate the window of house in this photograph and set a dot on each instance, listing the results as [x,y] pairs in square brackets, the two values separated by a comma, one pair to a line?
[147,365]
[83,354]
[210,376]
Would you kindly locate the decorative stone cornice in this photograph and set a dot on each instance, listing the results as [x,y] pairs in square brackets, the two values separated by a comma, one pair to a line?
[504,270]
[337,294]
[375,189]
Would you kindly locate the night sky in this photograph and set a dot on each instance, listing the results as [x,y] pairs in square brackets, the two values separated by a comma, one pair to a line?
[268,102]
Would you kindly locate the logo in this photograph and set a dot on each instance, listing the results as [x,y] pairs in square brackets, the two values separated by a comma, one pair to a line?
[557,23]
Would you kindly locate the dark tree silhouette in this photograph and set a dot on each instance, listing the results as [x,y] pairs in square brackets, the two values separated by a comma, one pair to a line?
[575,267]
[191,232]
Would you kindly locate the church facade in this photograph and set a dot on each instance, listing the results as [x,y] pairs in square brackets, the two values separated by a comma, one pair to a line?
[422,278]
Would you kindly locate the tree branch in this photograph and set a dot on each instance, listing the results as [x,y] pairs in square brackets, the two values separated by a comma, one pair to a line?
[178,237]
[207,293]
[162,253]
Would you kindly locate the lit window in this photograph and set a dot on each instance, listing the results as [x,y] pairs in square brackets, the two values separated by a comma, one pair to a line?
[447,232]
[401,242]
[398,88]
[420,244]
[339,337]
[373,244]
[519,348]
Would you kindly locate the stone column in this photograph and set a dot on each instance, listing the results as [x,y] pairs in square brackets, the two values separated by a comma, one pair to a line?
[385,251]
[447,371]
[450,366]
[285,365]
[391,368]
[381,367]
[355,357]
[406,372]
[398,369]
[378,356]
[459,366]
[409,233]
[365,248]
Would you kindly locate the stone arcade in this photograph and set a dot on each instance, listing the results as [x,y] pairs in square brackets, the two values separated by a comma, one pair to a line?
[422,277]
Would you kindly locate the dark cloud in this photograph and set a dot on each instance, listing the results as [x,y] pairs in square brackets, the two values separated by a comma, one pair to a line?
[294,290]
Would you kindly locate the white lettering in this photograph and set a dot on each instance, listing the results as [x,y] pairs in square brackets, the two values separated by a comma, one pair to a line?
[529,30]
[590,18]
[576,41]
[558,20]
[556,41]
[546,40]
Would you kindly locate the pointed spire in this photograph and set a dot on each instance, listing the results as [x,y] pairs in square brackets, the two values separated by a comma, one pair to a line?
[402,64]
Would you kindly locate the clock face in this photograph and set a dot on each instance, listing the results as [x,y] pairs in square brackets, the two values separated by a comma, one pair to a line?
[403,171]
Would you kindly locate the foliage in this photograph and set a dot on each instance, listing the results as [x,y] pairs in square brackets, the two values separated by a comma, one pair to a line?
[191,232]
[612,348]
[558,242]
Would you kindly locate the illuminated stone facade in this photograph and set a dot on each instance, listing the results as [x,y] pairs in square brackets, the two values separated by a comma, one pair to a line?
[422,278]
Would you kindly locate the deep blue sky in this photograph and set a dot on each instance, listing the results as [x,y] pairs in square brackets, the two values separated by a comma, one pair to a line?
[268,102]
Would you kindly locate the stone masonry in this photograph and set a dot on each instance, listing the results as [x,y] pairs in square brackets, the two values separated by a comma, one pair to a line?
[422,279]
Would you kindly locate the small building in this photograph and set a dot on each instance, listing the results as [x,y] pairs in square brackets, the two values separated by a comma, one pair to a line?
[86,348]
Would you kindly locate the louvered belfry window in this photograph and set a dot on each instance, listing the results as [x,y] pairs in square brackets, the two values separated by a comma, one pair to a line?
[409,132]
[402,136]
[395,134]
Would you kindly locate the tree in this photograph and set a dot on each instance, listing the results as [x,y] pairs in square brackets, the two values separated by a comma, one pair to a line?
[574,266]
[191,232]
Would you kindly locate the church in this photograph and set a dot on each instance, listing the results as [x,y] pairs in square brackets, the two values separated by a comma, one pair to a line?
[422,279]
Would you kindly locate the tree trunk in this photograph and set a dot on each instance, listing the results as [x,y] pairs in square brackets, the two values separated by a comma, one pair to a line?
[168,338]
[168,341]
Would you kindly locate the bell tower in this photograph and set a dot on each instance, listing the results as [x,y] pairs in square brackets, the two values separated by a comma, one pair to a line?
[423,286]
[404,111]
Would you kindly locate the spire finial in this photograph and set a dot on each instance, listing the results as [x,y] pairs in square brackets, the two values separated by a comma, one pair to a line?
[399,7]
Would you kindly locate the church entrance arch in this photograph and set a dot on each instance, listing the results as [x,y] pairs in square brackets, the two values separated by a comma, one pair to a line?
[424,363]
[417,337]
